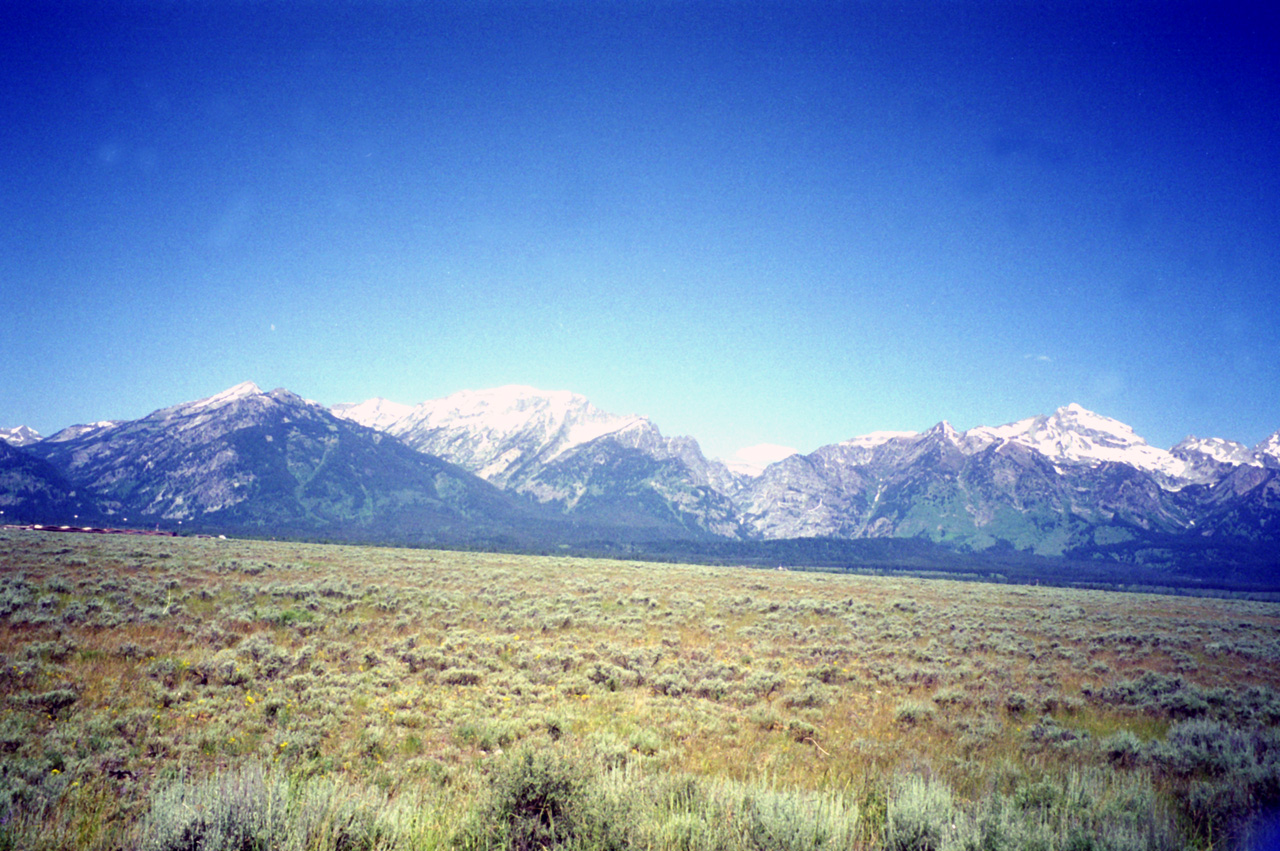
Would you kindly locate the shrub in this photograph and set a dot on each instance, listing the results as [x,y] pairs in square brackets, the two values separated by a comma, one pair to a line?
[801,731]
[812,696]
[1160,693]
[1122,748]
[798,821]
[712,689]
[1205,748]
[763,683]
[951,695]
[645,742]
[52,702]
[461,676]
[239,810]
[702,814]
[543,799]
[487,735]
[670,683]
[912,712]
[921,817]
[254,809]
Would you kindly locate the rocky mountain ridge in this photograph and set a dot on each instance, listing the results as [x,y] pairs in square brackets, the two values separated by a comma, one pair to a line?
[557,449]
[1051,484]
[269,461]
[521,464]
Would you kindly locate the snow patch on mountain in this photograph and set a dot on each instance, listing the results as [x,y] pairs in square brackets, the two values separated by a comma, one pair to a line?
[243,390]
[81,429]
[376,413]
[875,438]
[491,432]
[1216,449]
[515,408]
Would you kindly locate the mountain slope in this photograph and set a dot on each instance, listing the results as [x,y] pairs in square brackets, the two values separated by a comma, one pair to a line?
[560,451]
[33,491]
[1048,484]
[245,458]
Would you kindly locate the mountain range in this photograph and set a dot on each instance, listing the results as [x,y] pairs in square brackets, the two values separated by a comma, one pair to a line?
[517,466]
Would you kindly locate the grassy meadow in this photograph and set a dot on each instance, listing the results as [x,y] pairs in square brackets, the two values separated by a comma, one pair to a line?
[180,693]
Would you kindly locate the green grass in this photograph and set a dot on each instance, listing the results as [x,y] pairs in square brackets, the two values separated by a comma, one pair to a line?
[377,697]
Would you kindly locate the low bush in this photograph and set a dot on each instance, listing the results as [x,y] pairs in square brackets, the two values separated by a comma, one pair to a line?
[544,799]
[912,712]
[252,808]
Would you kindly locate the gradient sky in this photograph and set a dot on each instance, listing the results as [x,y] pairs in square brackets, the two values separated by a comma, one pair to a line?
[752,222]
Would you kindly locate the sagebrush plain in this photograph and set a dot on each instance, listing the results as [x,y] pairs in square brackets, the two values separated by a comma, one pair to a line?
[201,693]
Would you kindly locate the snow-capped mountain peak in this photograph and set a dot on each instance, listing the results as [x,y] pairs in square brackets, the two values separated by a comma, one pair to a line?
[875,438]
[1100,430]
[243,390]
[1269,448]
[19,436]
[194,414]
[490,432]
[376,413]
[1075,435]
[514,409]
[1216,449]
[945,431]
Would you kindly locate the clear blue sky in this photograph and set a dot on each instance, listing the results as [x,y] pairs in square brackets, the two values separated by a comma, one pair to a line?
[752,222]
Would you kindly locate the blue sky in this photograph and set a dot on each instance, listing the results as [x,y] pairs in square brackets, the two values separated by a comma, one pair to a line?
[752,222]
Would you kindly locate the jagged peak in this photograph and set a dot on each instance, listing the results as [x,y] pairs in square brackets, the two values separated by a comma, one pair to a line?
[231,400]
[1270,446]
[19,436]
[1075,435]
[943,430]
[1076,417]
[518,396]
[1218,448]
[752,460]
[501,425]
[283,394]
[515,408]
[243,390]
